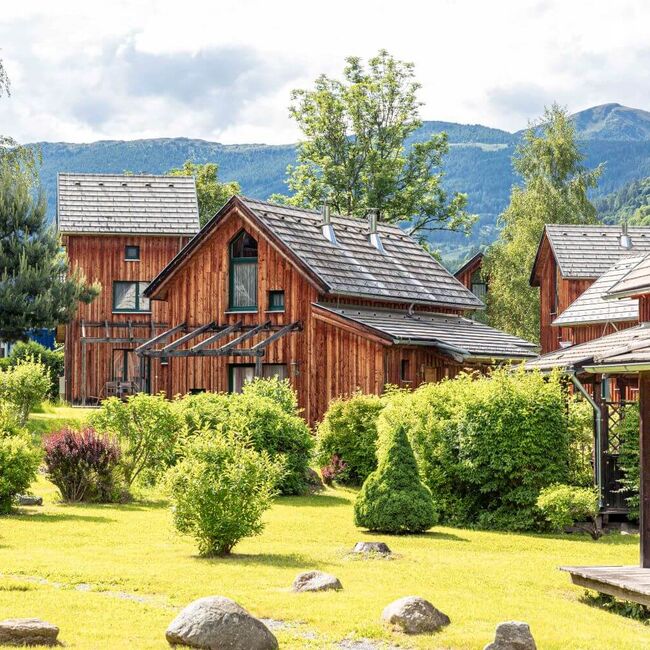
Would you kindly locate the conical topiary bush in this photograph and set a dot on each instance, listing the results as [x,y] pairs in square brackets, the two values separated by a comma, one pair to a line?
[393,499]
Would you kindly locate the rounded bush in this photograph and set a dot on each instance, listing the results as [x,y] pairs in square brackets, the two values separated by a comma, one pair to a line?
[277,390]
[347,438]
[393,499]
[220,490]
[19,462]
[82,465]
[24,386]
[565,505]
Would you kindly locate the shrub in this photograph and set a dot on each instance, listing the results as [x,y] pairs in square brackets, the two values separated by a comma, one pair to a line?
[487,445]
[581,442]
[51,359]
[259,420]
[277,390]
[629,458]
[349,433]
[19,461]
[82,465]
[147,428]
[24,386]
[565,505]
[331,472]
[220,491]
[393,499]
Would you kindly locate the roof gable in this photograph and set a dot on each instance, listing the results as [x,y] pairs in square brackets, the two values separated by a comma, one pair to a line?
[404,272]
[634,282]
[108,204]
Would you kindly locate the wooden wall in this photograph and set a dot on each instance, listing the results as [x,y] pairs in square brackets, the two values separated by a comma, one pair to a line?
[464,275]
[101,258]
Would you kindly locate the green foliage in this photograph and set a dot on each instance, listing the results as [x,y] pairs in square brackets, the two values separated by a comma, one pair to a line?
[253,416]
[630,203]
[220,491]
[581,440]
[277,390]
[554,190]
[37,288]
[353,151]
[393,499]
[486,446]
[24,386]
[147,429]
[349,432]
[210,191]
[51,359]
[566,505]
[19,460]
[629,458]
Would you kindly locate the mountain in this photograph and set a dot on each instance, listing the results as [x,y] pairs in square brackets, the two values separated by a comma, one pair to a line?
[630,203]
[478,164]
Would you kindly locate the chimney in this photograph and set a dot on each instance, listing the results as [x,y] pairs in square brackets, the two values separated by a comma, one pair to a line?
[625,240]
[375,239]
[326,223]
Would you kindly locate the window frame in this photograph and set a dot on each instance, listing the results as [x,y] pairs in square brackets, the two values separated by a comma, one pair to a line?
[138,297]
[234,261]
[476,280]
[126,255]
[275,292]
[405,371]
[233,366]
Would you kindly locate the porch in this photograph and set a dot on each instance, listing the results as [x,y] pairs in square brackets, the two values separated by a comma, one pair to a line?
[631,583]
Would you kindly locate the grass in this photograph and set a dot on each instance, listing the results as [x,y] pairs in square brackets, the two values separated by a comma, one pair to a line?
[114,577]
[52,417]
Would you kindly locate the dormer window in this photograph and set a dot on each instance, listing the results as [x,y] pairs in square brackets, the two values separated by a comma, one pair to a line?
[243,273]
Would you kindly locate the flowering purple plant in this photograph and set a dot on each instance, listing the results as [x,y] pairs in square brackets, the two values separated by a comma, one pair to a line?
[335,467]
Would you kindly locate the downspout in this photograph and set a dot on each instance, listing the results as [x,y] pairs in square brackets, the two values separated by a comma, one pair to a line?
[598,419]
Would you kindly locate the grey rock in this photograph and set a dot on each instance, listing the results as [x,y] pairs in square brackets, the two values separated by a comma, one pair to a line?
[314,482]
[29,500]
[316,581]
[512,635]
[371,547]
[414,615]
[218,623]
[27,631]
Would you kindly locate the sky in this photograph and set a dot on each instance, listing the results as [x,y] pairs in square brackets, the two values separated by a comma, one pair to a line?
[222,70]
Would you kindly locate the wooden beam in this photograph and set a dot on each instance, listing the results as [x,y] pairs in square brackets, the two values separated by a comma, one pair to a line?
[216,337]
[161,337]
[113,339]
[276,335]
[188,337]
[240,339]
[644,482]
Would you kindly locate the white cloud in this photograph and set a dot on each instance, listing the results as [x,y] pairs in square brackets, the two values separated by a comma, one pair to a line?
[224,70]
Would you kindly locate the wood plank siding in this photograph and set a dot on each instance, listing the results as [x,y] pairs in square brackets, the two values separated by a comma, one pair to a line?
[102,259]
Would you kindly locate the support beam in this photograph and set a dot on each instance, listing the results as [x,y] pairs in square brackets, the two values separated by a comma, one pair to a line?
[188,337]
[240,339]
[216,337]
[274,337]
[644,483]
[160,338]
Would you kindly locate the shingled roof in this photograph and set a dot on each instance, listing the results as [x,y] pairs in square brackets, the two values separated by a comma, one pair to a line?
[634,282]
[403,272]
[585,252]
[593,306]
[122,204]
[460,336]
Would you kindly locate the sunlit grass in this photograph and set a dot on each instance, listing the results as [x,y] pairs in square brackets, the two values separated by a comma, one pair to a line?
[52,417]
[80,566]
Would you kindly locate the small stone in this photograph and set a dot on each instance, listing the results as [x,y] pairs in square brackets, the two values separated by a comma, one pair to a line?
[371,547]
[414,615]
[218,623]
[316,581]
[512,635]
[29,500]
[27,631]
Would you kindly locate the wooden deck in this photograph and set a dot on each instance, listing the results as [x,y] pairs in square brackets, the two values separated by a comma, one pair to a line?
[625,582]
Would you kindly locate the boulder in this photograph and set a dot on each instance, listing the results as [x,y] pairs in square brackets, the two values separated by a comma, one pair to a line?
[29,500]
[512,635]
[218,623]
[414,615]
[27,631]
[368,548]
[313,480]
[316,581]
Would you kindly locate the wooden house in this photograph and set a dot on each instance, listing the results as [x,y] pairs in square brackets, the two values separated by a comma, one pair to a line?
[121,231]
[569,260]
[333,303]
[470,276]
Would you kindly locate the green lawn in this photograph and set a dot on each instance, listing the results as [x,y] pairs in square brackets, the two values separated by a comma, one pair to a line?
[52,417]
[114,576]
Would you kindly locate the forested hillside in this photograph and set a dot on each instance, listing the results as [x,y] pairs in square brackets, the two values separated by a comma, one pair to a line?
[631,203]
[479,163]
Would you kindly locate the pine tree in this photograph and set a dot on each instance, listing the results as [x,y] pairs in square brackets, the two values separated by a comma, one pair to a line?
[393,499]
[36,290]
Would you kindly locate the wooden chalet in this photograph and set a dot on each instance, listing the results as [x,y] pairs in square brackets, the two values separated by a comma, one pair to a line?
[333,303]
[470,276]
[569,260]
[622,356]
[120,231]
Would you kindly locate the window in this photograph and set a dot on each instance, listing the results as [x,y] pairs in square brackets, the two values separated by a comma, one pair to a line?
[131,252]
[242,373]
[478,285]
[276,300]
[243,273]
[405,370]
[127,296]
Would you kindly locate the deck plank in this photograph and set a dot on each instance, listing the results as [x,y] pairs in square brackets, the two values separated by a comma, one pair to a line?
[625,582]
